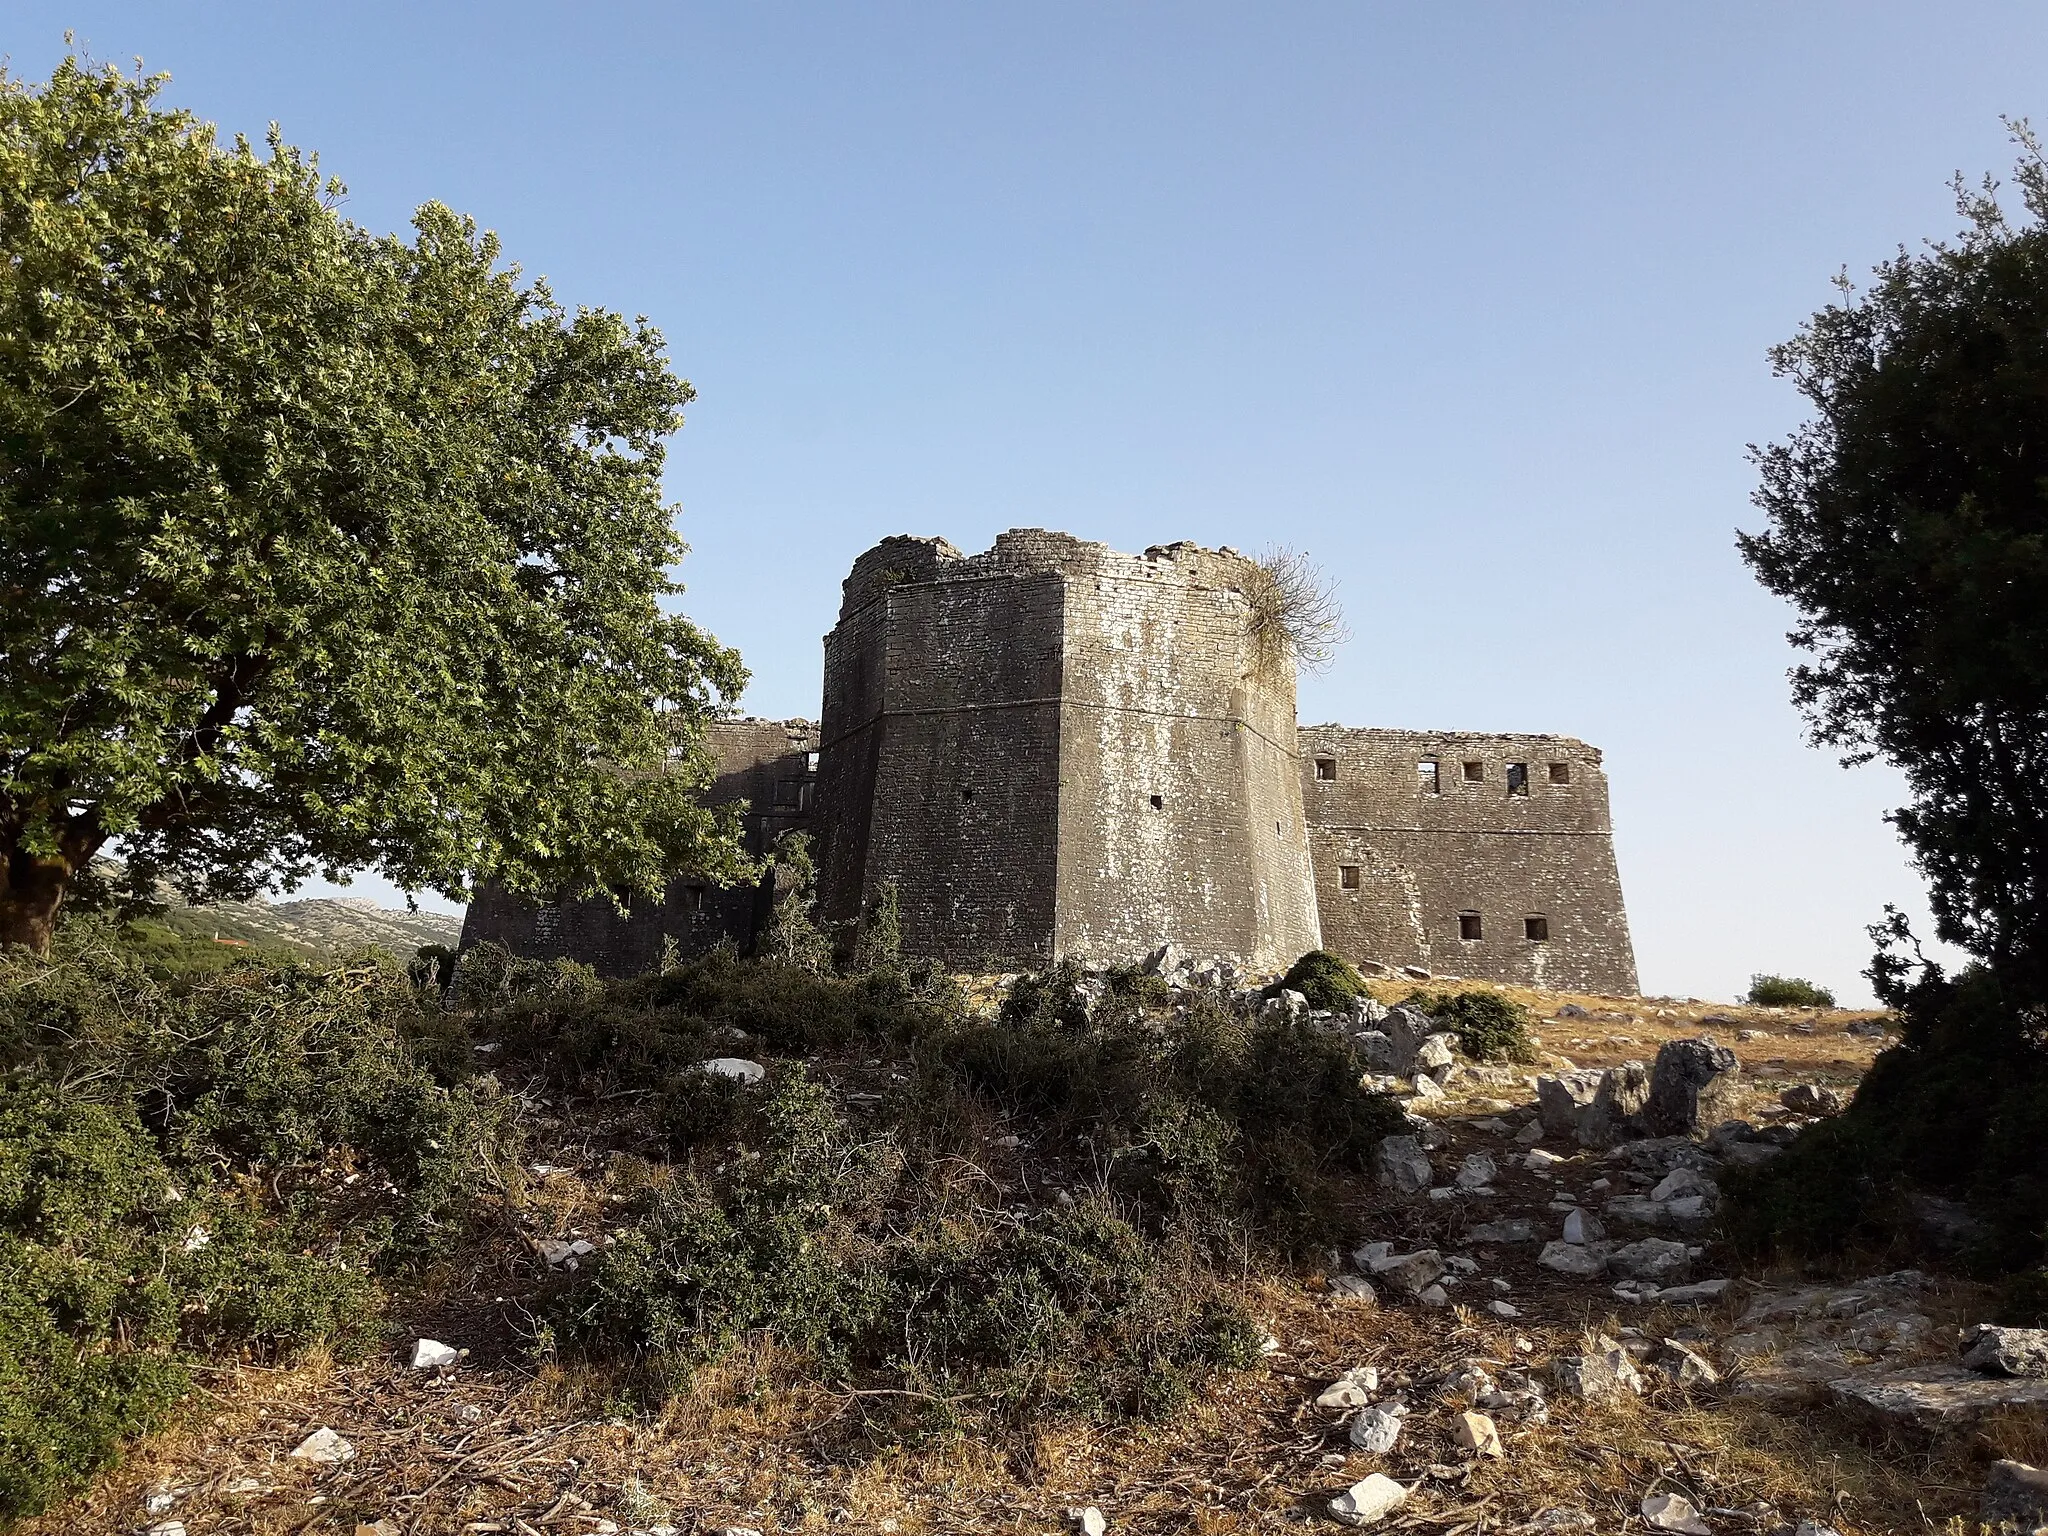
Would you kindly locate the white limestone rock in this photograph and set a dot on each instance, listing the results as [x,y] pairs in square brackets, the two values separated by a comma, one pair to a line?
[1655,1259]
[1477,1171]
[433,1355]
[737,1068]
[324,1447]
[1512,1229]
[2007,1351]
[1411,1273]
[1377,1430]
[1354,1389]
[1587,1260]
[1478,1434]
[1353,1290]
[1368,1502]
[1674,1512]
[1581,1226]
[1403,1166]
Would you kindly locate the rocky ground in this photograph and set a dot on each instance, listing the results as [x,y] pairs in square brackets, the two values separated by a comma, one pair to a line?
[1530,1334]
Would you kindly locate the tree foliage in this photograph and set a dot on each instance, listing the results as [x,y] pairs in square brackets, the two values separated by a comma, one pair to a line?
[1909,526]
[320,549]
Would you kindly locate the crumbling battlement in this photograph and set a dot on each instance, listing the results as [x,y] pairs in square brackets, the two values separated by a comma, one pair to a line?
[1054,748]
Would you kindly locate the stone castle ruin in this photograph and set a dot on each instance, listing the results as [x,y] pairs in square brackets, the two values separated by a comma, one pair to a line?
[1053,749]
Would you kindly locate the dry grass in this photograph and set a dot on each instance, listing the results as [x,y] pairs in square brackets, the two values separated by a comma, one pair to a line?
[508,1444]
[752,1443]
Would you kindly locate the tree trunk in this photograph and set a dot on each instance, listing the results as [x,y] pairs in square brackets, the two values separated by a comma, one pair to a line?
[30,899]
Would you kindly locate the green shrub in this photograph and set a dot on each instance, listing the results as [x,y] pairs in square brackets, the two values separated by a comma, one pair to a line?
[1489,1027]
[1788,992]
[1328,981]
[1214,1121]
[170,1180]
[1203,1132]
[825,1241]
[114,1267]
[1959,1107]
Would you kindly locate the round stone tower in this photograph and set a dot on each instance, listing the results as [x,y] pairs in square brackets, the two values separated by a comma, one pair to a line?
[1055,749]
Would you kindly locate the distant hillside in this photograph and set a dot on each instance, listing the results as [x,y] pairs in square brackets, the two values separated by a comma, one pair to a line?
[316,929]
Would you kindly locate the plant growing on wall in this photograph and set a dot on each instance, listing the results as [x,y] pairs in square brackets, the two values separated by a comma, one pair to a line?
[320,549]
[1293,618]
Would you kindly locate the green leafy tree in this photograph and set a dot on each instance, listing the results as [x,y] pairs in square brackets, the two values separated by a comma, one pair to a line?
[1909,526]
[320,549]
[793,936]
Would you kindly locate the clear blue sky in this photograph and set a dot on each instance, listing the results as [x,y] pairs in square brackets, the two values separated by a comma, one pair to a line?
[1470,301]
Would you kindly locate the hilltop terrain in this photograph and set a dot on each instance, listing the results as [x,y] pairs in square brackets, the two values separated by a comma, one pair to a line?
[1639,1363]
[319,930]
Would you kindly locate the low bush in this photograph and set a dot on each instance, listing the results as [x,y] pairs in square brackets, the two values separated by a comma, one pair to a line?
[1178,1135]
[244,1161]
[1788,992]
[1328,981]
[1958,1108]
[174,1179]
[837,1246]
[1489,1027]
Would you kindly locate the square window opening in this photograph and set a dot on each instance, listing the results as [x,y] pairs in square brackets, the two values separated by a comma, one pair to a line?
[811,761]
[1347,877]
[1470,927]
[1427,778]
[789,794]
[1159,802]
[1475,773]
[1560,773]
[1518,778]
[1326,768]
[1536,929]
[693,898]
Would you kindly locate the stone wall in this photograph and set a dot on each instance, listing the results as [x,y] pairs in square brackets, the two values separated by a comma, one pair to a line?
[767,763]
[939,760]
[1180,799]
[1051,748]
[1499,865]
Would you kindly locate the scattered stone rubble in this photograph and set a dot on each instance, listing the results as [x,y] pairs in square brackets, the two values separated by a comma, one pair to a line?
[2015,1493]
[2007,1351]
[1658,1135]
[1628,1159]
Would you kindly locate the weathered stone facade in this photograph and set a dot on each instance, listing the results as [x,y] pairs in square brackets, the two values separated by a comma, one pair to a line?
[1486,856]
[1053,749]
[772,766]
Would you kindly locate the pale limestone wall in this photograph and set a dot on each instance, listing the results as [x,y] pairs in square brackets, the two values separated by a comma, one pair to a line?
[1424,859]
[1162,704]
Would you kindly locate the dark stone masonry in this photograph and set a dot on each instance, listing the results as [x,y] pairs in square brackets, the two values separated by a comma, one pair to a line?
[769,764]
[1053,749]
